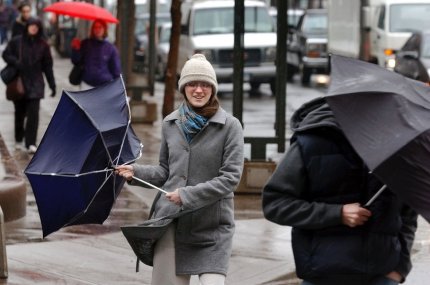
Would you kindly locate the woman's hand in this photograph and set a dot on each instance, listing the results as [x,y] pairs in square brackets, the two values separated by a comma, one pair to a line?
[174,197]
[126,171]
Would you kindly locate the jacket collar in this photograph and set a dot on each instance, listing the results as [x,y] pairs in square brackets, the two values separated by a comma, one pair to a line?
[220,116]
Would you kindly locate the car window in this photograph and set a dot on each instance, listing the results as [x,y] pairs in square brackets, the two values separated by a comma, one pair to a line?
[221,21]
[409,17]
[381,19]
[257,20]
[425,52]
[165,35]
[142,23]
[315,23]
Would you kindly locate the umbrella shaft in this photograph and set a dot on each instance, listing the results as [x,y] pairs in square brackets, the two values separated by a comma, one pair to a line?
[375,196]
[149,184]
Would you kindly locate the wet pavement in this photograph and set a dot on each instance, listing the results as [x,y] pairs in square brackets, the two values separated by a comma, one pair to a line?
[99,254]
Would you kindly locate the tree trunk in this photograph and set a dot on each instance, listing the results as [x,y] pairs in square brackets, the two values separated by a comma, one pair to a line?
[172,60]
[124,39]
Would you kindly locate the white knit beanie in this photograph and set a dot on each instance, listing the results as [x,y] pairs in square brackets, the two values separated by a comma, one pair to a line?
[197,68]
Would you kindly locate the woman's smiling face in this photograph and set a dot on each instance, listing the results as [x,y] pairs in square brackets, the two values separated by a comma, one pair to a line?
[198,93]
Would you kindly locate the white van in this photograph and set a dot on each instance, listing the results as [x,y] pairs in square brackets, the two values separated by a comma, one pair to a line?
[208,28]
[392,23]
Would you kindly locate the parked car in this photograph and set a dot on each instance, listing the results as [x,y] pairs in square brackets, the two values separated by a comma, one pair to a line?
[163,48]
[208,27]
[307,46]
[293,16]
[413,59]
[141,35]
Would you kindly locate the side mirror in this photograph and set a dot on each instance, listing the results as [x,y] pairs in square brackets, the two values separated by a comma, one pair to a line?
[184,30]
[367,17]
[291,29]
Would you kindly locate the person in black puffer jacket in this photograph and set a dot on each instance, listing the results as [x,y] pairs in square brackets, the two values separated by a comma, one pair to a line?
[31,55]
[318,189]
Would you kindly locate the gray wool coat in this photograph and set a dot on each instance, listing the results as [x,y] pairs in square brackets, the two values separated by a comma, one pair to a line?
[206,171]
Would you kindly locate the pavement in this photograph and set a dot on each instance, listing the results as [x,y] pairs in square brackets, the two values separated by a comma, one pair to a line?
[99,254]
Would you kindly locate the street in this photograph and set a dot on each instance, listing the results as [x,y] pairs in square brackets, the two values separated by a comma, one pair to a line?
[262,250]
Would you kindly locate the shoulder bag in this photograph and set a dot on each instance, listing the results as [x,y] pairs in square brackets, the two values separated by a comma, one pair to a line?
[15,87]
[75,76]
[8,73]
[142,238]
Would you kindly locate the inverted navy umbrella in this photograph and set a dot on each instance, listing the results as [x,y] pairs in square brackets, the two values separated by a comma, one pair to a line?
[386,118]
[72,171]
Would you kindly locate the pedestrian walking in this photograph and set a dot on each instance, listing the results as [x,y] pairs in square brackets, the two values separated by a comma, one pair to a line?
[31,55]
[5,14]
[98,58]
[319,188]
[20,23]
[201,161]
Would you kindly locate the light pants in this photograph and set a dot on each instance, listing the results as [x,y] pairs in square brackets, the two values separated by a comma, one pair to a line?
[164,270]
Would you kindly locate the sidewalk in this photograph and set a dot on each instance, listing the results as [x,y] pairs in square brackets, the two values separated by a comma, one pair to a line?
[101,255]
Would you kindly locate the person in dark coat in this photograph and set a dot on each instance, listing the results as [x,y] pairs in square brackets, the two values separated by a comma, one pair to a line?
[98,57]
[319,188]
[31,55]
[5,14]
[201,162]
[20,23]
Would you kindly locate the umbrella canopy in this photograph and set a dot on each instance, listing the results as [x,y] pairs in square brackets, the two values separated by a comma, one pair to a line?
[386,118]
[81,10]
[72,171]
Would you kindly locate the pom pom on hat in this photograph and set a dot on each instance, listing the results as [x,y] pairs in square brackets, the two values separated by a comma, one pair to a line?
[197,68]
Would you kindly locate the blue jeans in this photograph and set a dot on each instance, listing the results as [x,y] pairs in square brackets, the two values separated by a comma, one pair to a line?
[379,281]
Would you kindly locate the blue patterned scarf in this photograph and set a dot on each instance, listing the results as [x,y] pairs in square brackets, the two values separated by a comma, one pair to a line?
[190,121]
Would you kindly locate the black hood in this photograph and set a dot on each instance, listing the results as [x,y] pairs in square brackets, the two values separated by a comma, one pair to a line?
[313,114]
[34,21]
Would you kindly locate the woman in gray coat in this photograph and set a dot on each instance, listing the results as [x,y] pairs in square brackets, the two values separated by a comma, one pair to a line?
[201,161]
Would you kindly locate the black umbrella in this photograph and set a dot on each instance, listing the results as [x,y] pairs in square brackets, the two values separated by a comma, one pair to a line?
[386,118]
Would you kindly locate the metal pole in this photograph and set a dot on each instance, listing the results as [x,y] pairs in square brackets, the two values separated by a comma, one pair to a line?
[238,60]
[151,49]
[281,69]
[3,256]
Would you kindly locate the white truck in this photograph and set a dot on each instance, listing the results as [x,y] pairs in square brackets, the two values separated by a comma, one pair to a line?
[374,31]
[208,27]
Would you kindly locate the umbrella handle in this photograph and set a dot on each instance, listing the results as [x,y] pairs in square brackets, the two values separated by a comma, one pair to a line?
[149,184]
[375,196]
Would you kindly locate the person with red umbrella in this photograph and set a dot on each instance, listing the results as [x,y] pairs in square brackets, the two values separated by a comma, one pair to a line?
[98,58]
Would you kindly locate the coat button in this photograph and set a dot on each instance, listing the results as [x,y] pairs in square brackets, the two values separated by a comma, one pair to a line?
[184,177]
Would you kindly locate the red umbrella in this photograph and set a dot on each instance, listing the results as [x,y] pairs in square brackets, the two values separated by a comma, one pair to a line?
[81,10]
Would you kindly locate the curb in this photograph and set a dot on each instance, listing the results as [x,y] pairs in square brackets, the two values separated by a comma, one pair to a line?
[13,192]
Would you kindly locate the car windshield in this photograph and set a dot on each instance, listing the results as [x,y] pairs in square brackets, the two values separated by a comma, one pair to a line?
[315,24]
[165,35]
[409,17]
[221,21]
[425,49]
[143,22]
[294,17]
